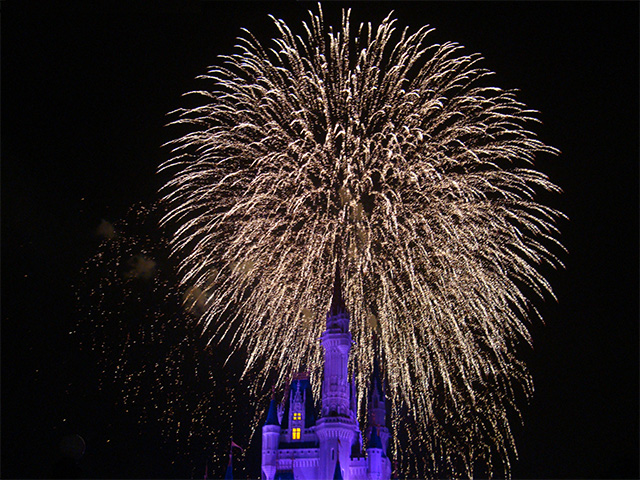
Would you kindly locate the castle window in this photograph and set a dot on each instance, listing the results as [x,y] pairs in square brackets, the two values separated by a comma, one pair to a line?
[295,434]
[297,416]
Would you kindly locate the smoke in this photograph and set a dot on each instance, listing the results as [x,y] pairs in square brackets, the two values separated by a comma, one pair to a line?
[195,300]
[141,267]
[106,229]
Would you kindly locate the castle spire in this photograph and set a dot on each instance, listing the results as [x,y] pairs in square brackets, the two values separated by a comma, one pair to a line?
[272,416]
[377,383]
[337,474]
[377,404]
[374,439]
[228,474]
[376,378]
[337,301]
[337,316]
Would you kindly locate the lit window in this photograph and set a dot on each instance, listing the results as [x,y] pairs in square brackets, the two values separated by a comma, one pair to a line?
[297,416]
[295,435]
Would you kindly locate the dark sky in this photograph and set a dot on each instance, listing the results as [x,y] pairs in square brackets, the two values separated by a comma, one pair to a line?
[85,91]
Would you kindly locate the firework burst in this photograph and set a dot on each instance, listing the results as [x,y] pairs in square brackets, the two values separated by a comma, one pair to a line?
[394,159]
[143,331]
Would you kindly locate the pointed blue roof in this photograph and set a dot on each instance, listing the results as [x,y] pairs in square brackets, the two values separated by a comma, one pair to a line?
[228,475]
[337,474]
[272,416]
[376,378]
[356,448]
[374,441]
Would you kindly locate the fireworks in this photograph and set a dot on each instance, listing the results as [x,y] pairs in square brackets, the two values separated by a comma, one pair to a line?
[133,317]
[398,161]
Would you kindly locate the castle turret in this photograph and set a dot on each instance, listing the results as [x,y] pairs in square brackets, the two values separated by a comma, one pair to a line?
[378,406]
[272,415]
[374,456]
[299,444]
[336,341]
[228,474]
[337,423]
[270,440]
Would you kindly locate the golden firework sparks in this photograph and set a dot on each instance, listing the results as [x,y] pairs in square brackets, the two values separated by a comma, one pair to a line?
[393,158]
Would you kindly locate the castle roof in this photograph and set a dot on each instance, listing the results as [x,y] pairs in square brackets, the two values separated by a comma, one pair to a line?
[374,440]
[228,474]
[376,378]
[272,416]
[337,474]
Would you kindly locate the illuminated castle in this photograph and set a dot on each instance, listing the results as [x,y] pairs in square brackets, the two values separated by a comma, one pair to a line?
[299,444]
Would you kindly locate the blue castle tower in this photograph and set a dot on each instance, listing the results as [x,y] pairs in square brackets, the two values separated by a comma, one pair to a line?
[299,444]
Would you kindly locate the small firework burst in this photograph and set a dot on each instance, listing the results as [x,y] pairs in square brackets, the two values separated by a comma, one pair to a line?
[142,328]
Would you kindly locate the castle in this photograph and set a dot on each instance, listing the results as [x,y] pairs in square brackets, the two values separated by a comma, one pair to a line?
[298,444]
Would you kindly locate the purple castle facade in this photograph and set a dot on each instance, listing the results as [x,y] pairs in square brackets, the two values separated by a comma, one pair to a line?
[299,444]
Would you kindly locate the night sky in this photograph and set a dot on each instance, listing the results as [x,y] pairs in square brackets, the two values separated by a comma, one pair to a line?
[85,92]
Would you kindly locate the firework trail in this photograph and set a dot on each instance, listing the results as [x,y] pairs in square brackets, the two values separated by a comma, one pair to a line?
[142,330]
[397,160]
